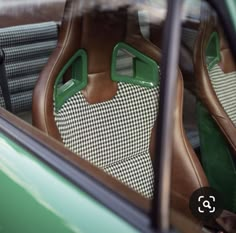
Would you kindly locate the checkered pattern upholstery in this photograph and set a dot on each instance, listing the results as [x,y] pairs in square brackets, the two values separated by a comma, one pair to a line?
[225,86]
[136,172]
[25,83]
[29,51]
[114,135]
[2,102]
[21,102]
[27,34]
[22,68]
[26,50]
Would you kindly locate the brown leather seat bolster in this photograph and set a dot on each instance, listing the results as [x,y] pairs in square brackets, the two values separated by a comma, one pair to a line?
[205,91]
[43,117]
[187,172]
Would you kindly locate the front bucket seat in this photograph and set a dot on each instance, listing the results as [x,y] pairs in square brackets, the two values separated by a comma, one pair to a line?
[98,95]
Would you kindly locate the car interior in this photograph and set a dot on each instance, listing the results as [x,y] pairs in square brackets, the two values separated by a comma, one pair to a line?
[92,81]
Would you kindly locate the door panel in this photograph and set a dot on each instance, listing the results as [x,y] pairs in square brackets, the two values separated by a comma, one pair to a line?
[34,198]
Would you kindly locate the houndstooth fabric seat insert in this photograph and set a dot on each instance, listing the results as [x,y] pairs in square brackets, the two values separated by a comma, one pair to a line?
[135,172]
[224,86]
[26,49]
[114,135]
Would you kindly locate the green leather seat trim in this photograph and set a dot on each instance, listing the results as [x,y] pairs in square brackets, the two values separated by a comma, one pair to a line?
[216,158]
[145,69]
[213,50]
[78,81]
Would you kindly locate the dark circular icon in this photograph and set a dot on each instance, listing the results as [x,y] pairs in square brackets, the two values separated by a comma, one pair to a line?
[206,204]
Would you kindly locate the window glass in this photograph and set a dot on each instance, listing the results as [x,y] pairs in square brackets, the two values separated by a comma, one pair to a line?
[91,80]
[104,98]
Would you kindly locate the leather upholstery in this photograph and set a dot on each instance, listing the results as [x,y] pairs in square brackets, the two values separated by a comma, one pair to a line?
[89,32]
[204,87]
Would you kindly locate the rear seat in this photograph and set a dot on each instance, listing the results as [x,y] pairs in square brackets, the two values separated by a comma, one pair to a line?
[26,50]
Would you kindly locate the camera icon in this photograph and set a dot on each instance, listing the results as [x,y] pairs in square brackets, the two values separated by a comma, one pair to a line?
[206,204]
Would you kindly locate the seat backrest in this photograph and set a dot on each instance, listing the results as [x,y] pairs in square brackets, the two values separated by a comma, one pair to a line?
[215,73]
[109,117]
[26,50]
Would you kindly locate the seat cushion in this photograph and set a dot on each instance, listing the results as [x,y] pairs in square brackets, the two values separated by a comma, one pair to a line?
[114,133]
[136,172]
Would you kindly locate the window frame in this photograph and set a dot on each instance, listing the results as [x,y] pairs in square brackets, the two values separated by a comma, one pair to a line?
[66,164]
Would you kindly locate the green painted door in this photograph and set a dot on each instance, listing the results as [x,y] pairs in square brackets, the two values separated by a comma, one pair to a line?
[34,198]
